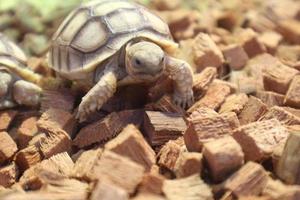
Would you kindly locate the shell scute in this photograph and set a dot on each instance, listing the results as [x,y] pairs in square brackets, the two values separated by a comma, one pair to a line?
[74,25]
[93,35]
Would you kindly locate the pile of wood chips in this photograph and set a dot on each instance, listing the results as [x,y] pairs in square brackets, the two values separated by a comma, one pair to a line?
[240,139]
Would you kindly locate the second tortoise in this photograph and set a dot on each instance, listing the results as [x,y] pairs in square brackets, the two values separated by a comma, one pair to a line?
[18,84]
[112,43]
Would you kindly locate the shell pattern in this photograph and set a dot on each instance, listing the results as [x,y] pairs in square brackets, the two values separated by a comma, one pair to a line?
[11,54]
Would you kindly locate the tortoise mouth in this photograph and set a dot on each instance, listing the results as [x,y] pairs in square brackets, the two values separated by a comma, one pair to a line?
[153,74]
[148,76]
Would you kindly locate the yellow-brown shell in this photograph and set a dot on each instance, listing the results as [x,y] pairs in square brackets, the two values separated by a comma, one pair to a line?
[10,54]
[97,30]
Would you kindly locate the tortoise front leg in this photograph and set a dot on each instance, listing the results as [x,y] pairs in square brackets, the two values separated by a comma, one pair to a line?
[5,81]
[98,95]
[181,72]
[6,104]
[26,93]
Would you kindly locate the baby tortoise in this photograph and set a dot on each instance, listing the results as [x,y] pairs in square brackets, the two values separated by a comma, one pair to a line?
[112,43]
[17,82]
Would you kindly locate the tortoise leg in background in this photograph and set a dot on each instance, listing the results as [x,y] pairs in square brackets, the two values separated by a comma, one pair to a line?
[181,72]
[5,81]
[26,93]
[98,95]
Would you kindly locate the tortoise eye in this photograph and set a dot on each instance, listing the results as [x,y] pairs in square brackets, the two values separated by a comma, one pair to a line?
[163,58]
[137,62]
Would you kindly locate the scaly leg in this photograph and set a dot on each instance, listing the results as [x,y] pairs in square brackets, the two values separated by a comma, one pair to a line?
[98,95]
[181,72]
[26,93]
[5,80]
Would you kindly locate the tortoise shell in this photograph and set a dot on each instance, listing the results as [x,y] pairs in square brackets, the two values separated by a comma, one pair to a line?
[97,30]
[11,56]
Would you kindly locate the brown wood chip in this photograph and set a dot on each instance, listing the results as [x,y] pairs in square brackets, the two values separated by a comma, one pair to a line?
[259,139]
[248,180]
[131,143]
[161,127]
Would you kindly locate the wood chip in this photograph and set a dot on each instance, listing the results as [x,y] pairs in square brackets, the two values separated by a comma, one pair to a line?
[165,4]
[152,183]
[67,189]
[181,22]
[252,110]
[234,103]
[105,190]
[161,127]
[294,111]
[57,142]
[292,97]
[271,40]
[162,86]
[125,174]
[288,168]
[191,187]
[254,198]
[277,77]
[165,104]
[205,129]
[37,139]
[143,196]
[214,97]
[227,20]
[276,155]
[85,163]
[63,162]
[202,81]
[57,118]
[62,100]
[277,190]
[131,143]
[289,28]
[259,139]
[99,131]
[206,52]
[224,156]
[270,98]
[6,117]
[28,157]
[248,180]
[250,43]
[279,113]
[235,56]
[203,112]
[8,175]
[289,54]
[169,154]
[56,167]
[8,147]
[26,131]
[187,164]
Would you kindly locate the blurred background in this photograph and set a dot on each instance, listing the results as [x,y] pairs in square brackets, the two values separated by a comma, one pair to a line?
[31,23]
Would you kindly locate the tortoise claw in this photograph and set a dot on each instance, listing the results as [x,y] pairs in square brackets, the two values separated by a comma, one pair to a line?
[184,100]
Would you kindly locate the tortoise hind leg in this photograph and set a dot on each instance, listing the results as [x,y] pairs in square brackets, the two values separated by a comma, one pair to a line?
[26,93]
[98,95]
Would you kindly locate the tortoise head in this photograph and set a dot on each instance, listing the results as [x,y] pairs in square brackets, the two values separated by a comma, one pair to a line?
[145,61]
